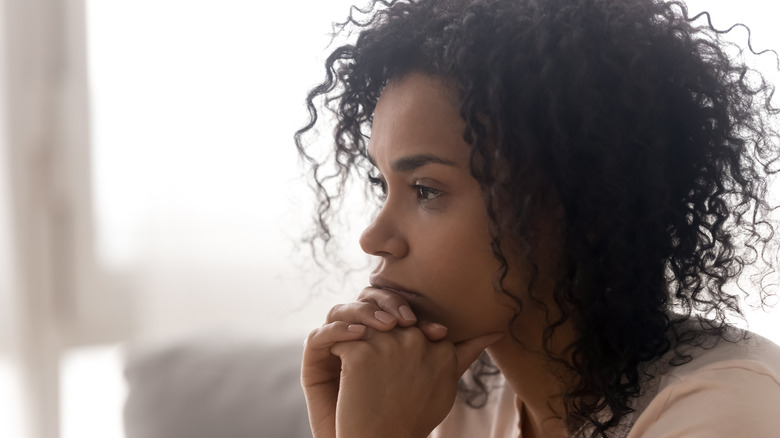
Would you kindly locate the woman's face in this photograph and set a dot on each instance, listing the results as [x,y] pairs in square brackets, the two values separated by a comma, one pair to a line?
[431,235]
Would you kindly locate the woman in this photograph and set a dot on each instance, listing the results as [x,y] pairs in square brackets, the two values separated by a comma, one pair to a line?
[573,186]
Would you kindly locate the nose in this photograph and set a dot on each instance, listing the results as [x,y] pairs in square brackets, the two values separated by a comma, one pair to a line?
[384,236]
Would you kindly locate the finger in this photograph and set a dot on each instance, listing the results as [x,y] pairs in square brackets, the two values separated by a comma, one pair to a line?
[432,331]
[391,303]
[318,343]
[341,349]
[369,333]
[361,312]
[466,352]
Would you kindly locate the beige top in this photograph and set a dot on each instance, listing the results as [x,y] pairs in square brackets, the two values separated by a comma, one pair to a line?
[730,390]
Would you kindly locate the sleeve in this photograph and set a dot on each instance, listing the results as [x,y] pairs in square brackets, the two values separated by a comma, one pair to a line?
[730,400]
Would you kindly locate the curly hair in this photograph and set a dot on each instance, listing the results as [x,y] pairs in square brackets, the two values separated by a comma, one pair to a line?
[628,115]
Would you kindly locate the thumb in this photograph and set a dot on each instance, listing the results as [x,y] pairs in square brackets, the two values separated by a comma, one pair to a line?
[466,352]
[432,331]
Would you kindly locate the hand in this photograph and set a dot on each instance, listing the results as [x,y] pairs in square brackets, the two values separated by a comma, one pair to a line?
[381,310]
[320,372]
[377,310]
[399,383]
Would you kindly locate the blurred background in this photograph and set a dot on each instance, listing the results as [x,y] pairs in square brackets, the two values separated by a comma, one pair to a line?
[150,190]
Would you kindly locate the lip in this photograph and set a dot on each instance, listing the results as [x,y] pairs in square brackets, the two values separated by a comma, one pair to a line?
[380,282]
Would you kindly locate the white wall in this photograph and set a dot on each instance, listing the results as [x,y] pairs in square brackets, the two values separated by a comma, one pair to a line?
[197,190]
[196,181]
[198,200]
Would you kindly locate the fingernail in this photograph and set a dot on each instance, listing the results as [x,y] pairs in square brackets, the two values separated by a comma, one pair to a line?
[406,313]
[384,317]
[438,326]
[357,328]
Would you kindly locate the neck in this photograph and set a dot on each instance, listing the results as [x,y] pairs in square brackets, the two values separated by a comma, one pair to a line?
[537,381]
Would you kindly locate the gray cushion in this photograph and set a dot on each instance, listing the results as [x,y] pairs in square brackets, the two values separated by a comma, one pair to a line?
[216,388]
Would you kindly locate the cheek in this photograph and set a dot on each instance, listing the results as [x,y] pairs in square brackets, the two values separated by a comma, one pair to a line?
[463,252]
[461,272]
[457,250]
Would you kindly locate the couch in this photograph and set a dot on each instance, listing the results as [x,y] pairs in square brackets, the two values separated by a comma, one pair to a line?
[215,387]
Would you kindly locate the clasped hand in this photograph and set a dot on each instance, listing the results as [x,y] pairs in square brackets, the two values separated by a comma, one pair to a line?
[374,370]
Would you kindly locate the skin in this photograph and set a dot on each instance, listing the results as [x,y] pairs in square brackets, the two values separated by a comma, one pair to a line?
[431,236]
[432,308]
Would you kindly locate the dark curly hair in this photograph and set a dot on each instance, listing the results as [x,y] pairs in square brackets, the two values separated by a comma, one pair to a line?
[630,117]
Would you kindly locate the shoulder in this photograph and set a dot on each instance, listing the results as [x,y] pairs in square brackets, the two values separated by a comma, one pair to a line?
[731,389]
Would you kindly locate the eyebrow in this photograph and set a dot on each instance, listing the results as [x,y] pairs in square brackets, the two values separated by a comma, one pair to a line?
[408,164]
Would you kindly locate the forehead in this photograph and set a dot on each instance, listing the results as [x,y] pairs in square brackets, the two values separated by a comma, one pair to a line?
[417,114]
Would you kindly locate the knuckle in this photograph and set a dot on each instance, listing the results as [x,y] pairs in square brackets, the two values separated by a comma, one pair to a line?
[311,337]
[366,294]
[351,312]
[411,335]
[334,312]
[391,299]
[381,298]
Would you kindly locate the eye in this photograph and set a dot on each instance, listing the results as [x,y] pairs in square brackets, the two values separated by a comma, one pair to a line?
[379,186]
[425,193]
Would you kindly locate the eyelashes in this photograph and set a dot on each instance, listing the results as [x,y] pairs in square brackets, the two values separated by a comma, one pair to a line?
[379,187]
[424,193]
